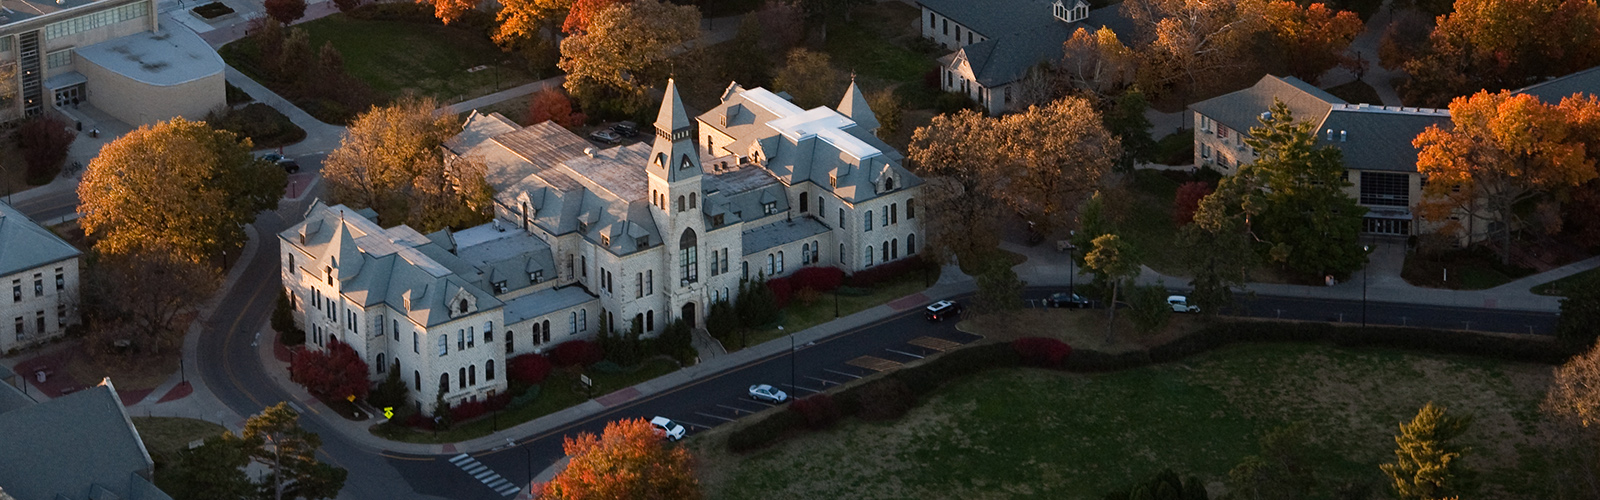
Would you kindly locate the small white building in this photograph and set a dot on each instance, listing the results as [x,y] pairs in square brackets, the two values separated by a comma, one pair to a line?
[646,233]
[41,273]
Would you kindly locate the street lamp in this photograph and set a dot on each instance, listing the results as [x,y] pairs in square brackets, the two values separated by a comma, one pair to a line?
[792,379]
[1365,249]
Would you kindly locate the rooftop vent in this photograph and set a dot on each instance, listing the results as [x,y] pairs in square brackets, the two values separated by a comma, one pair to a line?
[1266,115]
[1341,135]
[588,152]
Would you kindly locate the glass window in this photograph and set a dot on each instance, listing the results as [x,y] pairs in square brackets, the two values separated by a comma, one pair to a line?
[444,344]
[867,221]
[1385,189]
[59,58]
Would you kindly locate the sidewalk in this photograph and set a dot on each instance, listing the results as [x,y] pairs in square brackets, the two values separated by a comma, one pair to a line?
[951,283]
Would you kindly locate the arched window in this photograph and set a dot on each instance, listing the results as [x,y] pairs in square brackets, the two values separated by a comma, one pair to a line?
[688,258]
[444,344]
[772,265]
[805,253]
[650,320]
[841,218]
[547,330]
[572,323]
[841,253]
[583,320]
[885,247]
[894,213]
[894,248]
[444,382]
[472,375]
[867,256]
[680,203]
[691,200]
[510,338]
[911,244]
[461,378]
[816,251]
[888,184]
[911,208]
[463,306]
[867,221]
[416,380]
[381,366]
[488,370]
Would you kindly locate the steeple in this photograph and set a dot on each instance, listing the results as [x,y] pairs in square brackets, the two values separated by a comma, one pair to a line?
[672,116]
[673,157]
[855,107]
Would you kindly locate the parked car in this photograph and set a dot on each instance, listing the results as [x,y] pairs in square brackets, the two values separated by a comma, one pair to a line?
[672,430]
[626,129]
[940,310]
[1072,300]
[770,394]
[605,136]
[288,164]
[1181,304]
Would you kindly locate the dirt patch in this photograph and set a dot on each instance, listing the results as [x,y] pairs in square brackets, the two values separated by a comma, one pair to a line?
[1081,328]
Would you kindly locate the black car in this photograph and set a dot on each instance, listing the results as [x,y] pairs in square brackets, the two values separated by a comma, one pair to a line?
[288,164]
[626,129]
[1072,300]
[940,310]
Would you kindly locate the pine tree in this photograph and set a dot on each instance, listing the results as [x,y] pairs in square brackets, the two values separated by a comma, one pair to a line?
[1310,223]
[1427,461]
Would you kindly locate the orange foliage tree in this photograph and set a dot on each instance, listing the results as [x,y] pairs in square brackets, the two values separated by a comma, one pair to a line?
[524,19]
[1314,36]
[583,11]
[1501,44]
[450,10]
[629,461]
[553,105]
[1504,149]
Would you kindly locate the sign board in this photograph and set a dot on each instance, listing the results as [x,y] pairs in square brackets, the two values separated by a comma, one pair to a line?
[388,412]
[351,398]
[586,381]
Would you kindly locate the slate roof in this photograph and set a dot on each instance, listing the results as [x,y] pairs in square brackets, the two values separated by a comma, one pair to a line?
[24,244]
[994,18]
[781,233]
[1552,91]
[1025,34]
[1240,110]
[544,302]
[820,145]
[854,106]
[81,446]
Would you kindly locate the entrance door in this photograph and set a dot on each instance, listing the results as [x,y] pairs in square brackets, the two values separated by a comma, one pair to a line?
[688,314]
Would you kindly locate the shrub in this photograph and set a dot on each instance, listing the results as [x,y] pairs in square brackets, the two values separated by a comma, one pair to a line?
[807,296]
[347,5]
[576,353]
[872,276]
[527,397]
[236,95]
[467,410]
[1187,201]
[553,105]
[335,372]
[722,322]
[756,307]
[265,126]
[391,393]
[818,411]
[821,279]
[528,368]
[764,432]
[45,141]
[285,11]
[676,337]
[283,322]
[951,102]
[608,366]
[884,399]
[781,291]
[1042,351]
[924,378]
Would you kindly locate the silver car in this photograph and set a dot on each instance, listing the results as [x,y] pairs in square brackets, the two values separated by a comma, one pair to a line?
[770,394]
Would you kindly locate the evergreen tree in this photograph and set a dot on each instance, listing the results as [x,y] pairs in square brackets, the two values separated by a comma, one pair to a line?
[757,307]
[722,321]
[392,392]
[1309,222]
[1125,119]
[1427,459]
[999,289]
[214,471]
[1148,307]
[1164,486]
[1281,471]
[289,454]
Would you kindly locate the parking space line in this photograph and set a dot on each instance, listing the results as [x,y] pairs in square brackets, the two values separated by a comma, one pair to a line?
[903,352]
[873,363]
[824,381]
[724,419]
[802,388]
[759,402]
[936,344]
[692,424]
[735,409]
[836,372]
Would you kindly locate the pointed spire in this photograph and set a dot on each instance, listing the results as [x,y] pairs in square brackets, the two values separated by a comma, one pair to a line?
[854,105]
[672,116]
[347,253]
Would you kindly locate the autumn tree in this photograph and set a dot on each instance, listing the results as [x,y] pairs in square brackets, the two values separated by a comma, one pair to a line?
[553,105]
[285,11]
[625,51]
[1427,462]
[628,460]
[954,154]
[1312,37]
[1218,251]
[449,11]
[782,25]
[1502,150]
[999,288]
[1184,43]
[1148,307]
[523,20]
[336,372]
[288,452]
[1187,201]
[746,59]
[1502,44]
[1404,37]
[141,296]
[45,141]
[1097,64]
[888,107]
[179,186]
[583,13]
[1054,155]
[390,160]
[1113,260]
[1573,402]
[809,76]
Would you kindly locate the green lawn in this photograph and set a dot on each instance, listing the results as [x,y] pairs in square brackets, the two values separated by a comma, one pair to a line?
[879,46]
[431,59]
[1149,223]
[559,392]
[1029,433]
[1356,92]
[1468,269]
[1176,148]
[799,316]
[1559,287]
[165,435]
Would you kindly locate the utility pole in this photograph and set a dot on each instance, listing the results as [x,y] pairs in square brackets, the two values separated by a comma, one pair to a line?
[1364,248]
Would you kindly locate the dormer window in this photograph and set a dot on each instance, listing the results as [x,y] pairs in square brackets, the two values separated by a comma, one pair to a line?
[328,271]
[888,184]
[500,287]
[536,276]
[642,242]
[605,241]
[686,163]
[769,208]
[716,220]
[462,307]
[833,181]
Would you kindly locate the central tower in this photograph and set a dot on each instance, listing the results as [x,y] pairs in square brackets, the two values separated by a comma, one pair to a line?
[676,198]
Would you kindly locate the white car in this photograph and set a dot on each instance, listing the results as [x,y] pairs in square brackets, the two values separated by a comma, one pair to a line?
[1181,304]
[672,430]
[764,392]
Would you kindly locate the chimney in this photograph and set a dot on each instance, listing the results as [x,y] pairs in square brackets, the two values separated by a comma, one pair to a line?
[1341,135]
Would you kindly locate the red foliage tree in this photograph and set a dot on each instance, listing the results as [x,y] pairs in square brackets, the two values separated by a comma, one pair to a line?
[822,279]
[629,460]
[45,142]
[553,105]
[285,11]
[583,11]
[1187,201]
[781,291]
[529,368]
[1042,351]
[576,352]
[337,372]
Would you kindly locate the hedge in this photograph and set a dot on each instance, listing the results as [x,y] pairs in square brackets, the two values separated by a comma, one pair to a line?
[880,398]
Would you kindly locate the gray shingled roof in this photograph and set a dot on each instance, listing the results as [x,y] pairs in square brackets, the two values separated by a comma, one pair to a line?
[544,302]
[1241,110]
[24,244]
[1006,57]
[1552,91]
[994,18]
[13,399]
[68,447]
[1378,138]
[781,233]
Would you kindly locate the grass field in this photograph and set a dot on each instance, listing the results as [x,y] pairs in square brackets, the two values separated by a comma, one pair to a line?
[167,435]
[1469,269]
[435,59]
[878,45]
[1029,433]
[1149,227]
[1560,287]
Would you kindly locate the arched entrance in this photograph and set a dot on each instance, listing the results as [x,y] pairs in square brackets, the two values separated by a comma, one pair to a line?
[689,315]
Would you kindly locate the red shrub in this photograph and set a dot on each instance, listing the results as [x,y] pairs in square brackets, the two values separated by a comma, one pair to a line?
[822,279]
[553,105]
[498,402]
[1187,201]
[45,142]
[781,291]
[467,410]
[336,372]
[285,11]
[576,352]
[819,411]
[528,368]
[420,421]
[884,272]
[1040,351]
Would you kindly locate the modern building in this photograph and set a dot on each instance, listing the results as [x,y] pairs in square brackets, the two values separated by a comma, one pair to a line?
[41,272]
[81,446]
[1380,162]
[996,42]
[641,234]
[110,53]
[1552,91]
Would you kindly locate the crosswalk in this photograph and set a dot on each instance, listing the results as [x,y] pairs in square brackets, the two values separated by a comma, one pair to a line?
[483,473]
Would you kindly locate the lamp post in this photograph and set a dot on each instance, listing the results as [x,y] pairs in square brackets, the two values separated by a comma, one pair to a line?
[792,380]
[1072,266]
[1364,248]
[835,303]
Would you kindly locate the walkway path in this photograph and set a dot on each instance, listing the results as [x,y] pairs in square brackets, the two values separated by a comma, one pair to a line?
[1365,46]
